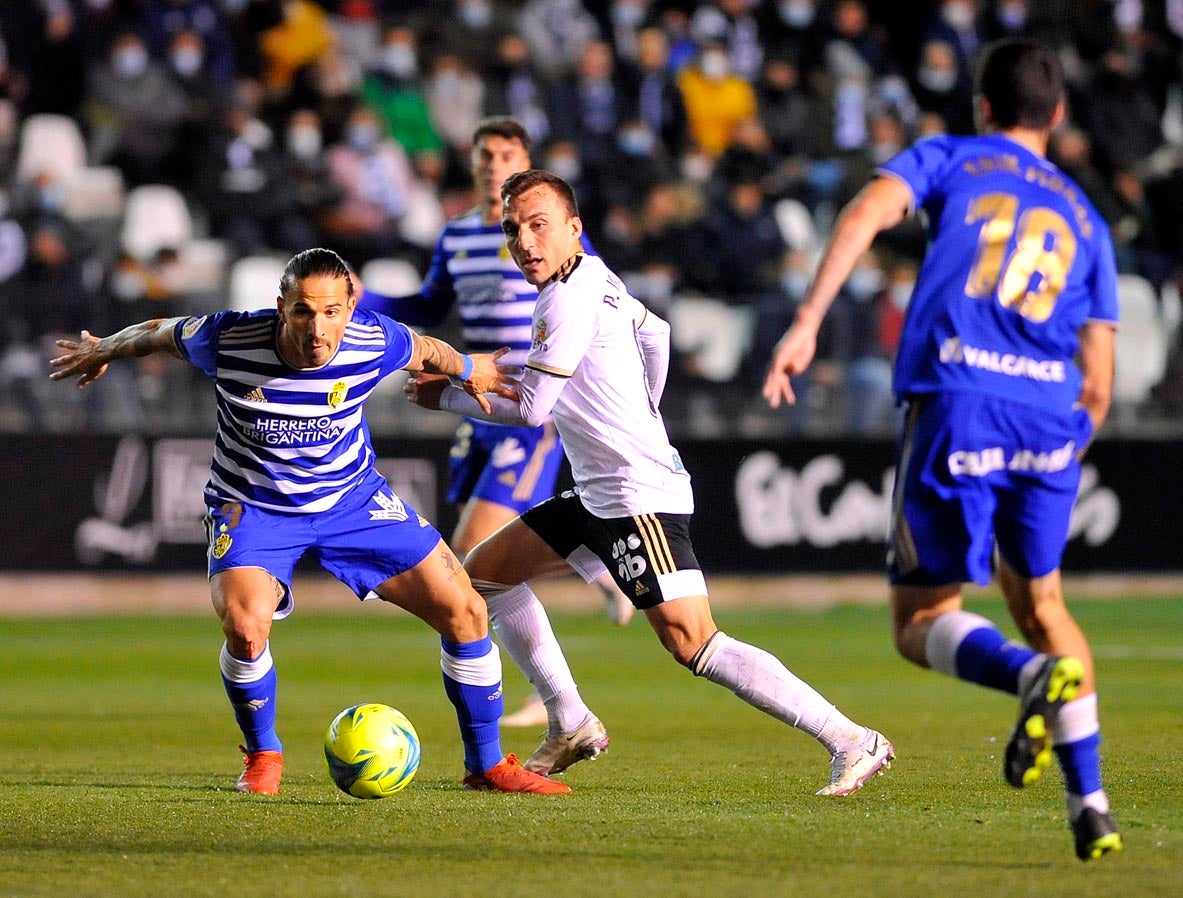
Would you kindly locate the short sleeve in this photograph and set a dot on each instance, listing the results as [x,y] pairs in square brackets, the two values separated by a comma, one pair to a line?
[1104,304]
[564,327]
[920,166]
[197,339]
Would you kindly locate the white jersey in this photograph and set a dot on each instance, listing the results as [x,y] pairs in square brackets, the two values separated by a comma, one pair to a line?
[586,332]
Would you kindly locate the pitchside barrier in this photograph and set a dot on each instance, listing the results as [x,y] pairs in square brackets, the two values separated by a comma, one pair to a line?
[74,503]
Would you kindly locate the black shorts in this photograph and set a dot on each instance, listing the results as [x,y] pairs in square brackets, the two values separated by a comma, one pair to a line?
[649,556]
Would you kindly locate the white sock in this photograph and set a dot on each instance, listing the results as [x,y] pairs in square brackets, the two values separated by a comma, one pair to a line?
[1077,720]
[945,636]
[524,630]
[765,683]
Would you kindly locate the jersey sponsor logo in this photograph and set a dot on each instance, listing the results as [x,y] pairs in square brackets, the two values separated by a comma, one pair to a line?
[629,566]
[981,462]
[292,431]
[956,352]
[192,326]
[508,452]
[391,508]
[641,590]
[256,395]
[337,394]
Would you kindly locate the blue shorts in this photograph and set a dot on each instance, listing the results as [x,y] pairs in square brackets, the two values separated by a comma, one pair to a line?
[512,466]
[974,471]
[368,537]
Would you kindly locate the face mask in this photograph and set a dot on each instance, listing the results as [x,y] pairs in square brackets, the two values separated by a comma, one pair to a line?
[476,14]
[958,16]
[636,142]
[449,84]
[399,60]
[187,61]
[131,62]
[628,13]
[794,283]
[697,167]
[362,137]
[863,282]
[304,141]
[1013,16]
[715,66]
[797,13]
[939,81]
[51,198]
[256,135]
[566,167]
[127,285]
[901,294]
[881,152]
[893,90]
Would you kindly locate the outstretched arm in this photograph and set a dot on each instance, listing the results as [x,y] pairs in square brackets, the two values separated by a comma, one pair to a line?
[477,373]
[89,356]
[880,205]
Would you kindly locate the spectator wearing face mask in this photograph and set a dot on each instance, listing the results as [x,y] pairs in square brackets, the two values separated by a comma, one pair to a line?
[652,93]
[455,97]
[716,99]
[376,183]
[135,111]
[206,98]
[938,87]
[165,19]
[393,90]
[513,88]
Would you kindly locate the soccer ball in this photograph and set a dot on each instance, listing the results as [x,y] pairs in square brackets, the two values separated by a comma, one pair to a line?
[372,751]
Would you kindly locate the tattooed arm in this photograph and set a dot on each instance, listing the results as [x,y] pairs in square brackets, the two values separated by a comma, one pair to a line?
[88,356]
[477,374]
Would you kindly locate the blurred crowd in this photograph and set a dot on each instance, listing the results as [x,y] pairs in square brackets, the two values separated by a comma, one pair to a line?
[152,152]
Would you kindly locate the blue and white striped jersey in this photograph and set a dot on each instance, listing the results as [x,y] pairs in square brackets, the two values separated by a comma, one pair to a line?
[289,440]
[471,269]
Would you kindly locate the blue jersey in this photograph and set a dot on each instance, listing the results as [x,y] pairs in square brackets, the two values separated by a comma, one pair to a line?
[289,440]
[472,269]
[1018,261]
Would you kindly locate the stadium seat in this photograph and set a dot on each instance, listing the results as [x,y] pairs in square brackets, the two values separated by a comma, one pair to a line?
[713,335]
[156,217]
[1172,310]
[95,193]
[392,277]
[50,144]
[797,226]
[1141,344]
[254,282]
[204,263]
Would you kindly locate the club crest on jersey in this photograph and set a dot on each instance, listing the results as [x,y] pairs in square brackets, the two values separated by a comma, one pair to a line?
[337,394]
[540,334]
[222,545]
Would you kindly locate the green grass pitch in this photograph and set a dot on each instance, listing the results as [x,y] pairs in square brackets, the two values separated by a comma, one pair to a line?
[120,755]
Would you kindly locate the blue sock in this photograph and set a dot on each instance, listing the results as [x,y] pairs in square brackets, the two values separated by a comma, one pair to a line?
[251,686]
[1081,763]
[472,680]
[988,658]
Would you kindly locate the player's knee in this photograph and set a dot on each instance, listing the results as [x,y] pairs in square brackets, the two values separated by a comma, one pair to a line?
[464,618]
[909,636]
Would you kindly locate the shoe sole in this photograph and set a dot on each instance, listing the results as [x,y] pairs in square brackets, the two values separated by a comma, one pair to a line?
[1029,749]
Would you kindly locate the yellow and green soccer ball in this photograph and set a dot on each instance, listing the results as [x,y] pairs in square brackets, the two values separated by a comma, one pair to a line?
[372,751]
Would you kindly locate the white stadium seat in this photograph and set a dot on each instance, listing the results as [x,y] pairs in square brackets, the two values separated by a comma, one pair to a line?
[95,193]
[1141,345]
[391,277]
[155,218]
[50,144]
[254,282]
